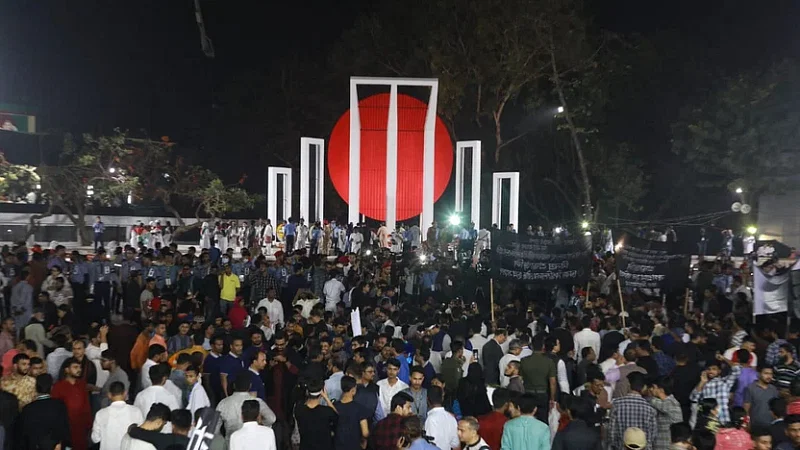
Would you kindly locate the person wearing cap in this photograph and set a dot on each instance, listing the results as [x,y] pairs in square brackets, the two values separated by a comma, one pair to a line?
[635,439]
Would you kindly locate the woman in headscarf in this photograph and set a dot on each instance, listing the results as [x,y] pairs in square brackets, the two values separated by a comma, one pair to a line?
[471,393]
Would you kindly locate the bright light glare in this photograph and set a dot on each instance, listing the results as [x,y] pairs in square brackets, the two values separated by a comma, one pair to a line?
[557,230]
[560,109]
[368,252]
[739,190]
[455,220]
[585,225]
[423,257]
[752,230]
[112,170]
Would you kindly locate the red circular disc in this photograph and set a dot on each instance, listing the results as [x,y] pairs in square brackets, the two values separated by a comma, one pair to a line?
[374,114]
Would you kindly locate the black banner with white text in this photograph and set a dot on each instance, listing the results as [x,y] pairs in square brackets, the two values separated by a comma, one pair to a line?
[646,264]
[528,259]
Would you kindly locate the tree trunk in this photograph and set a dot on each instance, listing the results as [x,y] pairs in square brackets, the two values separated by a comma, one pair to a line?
[184,228]
[498,128]
[34,225]
[175,214]
[585,183]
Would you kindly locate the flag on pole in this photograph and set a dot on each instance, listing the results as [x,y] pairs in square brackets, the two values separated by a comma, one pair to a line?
[770,292]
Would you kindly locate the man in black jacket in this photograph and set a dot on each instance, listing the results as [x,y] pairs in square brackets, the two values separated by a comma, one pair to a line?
[43,418]
[578,435]
[491,353]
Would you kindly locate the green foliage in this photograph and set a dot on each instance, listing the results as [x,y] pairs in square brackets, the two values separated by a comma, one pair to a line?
[217,199]
[746,132]
[17,180]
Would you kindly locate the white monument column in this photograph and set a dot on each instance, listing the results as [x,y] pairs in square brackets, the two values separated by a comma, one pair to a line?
[475,182]
[305,186]
[273,175]
[513,200]
[392,152]
[354,193]
[391,160]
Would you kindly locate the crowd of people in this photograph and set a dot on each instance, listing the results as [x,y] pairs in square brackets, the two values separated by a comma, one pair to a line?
[382,350]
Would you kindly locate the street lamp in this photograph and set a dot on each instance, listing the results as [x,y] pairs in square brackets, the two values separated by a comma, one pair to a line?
[585,225]
[560,109]
[739,190]
[112,170]
[455,220]
[752,230]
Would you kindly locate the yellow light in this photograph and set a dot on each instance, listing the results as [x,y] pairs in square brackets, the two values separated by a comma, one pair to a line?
[752,230]
[585,225]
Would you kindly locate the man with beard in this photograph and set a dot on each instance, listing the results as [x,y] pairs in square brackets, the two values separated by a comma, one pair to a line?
[18,382]
[71,389]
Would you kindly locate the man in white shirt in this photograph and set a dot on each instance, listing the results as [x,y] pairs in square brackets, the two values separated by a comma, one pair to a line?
[230,408]
[57,357]
[333,290]
[156,393]
[390,385]
[252,436]
[514,351]
[198,397]
[155,354]
[468,434]
[97,343]
[440,424]
[274,308]
[586,338]
[111,423]
[477,340]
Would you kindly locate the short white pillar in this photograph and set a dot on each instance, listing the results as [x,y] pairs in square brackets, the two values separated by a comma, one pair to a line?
[274,175]
[513,198]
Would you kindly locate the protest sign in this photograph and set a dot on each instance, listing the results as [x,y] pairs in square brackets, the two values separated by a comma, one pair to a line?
[529,259]
[646,264]
[203,433]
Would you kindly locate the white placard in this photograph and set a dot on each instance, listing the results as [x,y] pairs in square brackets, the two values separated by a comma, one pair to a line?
[355,321]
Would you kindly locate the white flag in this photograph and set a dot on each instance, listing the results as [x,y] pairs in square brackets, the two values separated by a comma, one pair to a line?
[770,292]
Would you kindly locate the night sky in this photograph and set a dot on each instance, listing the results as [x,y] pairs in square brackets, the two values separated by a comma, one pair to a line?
[93,65]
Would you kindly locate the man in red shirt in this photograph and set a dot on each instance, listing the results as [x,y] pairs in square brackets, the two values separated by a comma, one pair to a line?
[491,425]
[72,390]
[388,430]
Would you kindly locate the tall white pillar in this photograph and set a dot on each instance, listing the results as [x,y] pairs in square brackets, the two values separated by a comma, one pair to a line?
[305,186]
[391,160]
[354,193]
[475,182]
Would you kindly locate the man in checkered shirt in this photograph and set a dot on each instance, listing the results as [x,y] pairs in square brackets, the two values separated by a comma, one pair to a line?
[712,385]
[632,410]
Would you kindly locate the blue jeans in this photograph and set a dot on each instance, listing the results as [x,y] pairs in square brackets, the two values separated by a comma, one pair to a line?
[224,307]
